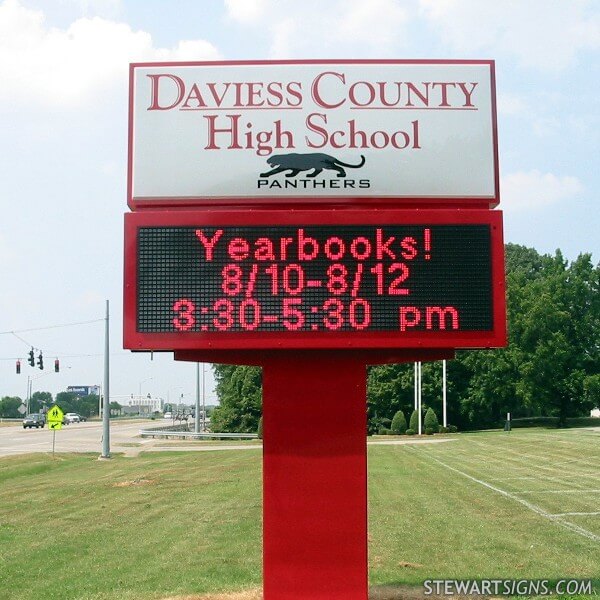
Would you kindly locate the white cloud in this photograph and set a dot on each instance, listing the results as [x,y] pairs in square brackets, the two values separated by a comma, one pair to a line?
[7,253]
[511,104]
[189,50]
[246,11]
[97,7]
[51,66]
[532,189]
[375,22]
[283,33]
[545,34]
[546,126]
[331,29]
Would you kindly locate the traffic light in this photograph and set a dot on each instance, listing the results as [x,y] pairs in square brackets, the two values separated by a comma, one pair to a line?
[31,358]
[56,365]
[40,361]
[18,367]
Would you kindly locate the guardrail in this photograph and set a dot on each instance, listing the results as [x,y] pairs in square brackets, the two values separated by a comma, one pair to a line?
[182,432]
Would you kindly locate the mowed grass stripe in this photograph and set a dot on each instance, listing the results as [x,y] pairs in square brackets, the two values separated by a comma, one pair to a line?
[589,522]
[479,464]
[512,456]
[536,509]
[572,498]
[518,452]
[582,501]
[426,520]
[546,478]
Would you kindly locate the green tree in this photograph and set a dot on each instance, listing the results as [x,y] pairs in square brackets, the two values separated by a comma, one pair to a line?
[239,389]
[389,389]
[430,422]
[553,351]
[88,405]
[414,421]
[260,429]
[67,401]
[591,390]
[9,407]
[115,408]
[38,400]
[559,340]
[399,423]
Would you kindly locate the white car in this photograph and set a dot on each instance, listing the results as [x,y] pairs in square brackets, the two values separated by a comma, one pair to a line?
[168,415]
[71,418]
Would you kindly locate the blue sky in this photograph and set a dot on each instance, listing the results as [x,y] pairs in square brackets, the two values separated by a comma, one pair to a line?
[63,136]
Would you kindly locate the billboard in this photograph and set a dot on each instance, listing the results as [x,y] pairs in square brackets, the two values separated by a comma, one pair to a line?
[320,131]
[84,390]
[314,279]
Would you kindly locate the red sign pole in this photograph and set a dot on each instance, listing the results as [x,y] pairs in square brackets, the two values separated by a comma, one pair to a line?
[315,478]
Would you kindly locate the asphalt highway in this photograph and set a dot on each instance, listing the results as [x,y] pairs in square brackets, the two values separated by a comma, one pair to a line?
[124,439]
[78,437]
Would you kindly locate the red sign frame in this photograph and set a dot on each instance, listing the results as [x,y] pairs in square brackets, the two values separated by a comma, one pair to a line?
[134,340]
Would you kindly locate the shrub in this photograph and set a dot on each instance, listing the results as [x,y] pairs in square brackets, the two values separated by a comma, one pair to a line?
[414,421]
[452,428]
[410,432]
[399,423]
[259,431]
[534,422]
[429,430]
[583,422]
[383,431]
[431,421]
[443,429]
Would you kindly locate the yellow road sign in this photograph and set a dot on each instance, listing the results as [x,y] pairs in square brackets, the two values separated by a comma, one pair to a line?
[55,415]
[55,425]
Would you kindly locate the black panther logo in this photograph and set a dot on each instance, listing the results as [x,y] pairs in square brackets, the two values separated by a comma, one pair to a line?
[294,163]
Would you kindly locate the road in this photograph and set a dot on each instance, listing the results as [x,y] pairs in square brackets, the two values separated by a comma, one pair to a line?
[124,439]
[78,437]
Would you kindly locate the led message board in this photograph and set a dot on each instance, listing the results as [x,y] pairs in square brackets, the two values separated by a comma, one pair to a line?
[353,279]
[322,130]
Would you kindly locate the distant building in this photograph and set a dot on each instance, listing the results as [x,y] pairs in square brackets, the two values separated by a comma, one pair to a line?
[139,404]
[595,412]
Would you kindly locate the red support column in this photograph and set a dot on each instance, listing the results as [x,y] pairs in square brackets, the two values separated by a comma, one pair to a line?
[314,479]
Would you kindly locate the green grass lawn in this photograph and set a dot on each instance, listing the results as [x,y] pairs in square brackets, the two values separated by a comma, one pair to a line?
[488,505]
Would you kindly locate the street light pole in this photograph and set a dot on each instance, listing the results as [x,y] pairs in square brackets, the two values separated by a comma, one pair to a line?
[197,416]
[106,407]
[445,418]
[420,398]
[203,397]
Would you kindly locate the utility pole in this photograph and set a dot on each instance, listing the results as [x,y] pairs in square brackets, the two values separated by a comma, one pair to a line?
[28,393]
[197,417]
[203,397]
[445,420]
[416,386]
[420,398]
[106,407]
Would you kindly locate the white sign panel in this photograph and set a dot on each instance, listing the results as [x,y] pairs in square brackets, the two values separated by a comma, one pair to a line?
[415,130]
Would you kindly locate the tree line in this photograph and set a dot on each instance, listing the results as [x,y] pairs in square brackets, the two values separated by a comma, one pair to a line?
[86,406]
[550,368]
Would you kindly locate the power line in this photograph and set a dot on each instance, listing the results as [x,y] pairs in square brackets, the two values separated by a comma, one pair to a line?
[22,340]
[70,355]
[14,332]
